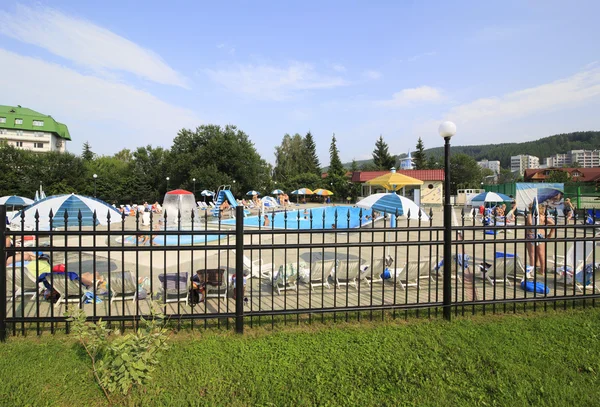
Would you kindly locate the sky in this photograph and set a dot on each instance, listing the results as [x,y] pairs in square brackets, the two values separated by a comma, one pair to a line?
[123,74]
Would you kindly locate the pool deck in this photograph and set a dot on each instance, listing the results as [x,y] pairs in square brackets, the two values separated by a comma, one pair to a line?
[262,299]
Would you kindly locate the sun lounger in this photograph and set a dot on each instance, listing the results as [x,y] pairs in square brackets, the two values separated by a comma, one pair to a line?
[285,278]
[215,280]
[122,286]
[174,287]
[318,273]
[69,290]
[501,268]
[347,273]
[573,267]
[256,268]
[412,273]
[22,284]
[375,273]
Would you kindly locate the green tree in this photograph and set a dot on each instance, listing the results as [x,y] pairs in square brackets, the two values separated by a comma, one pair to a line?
[336,168]
[382,158]
[506,176]
[87,154]
[558,176]
[216,155]
[419,157]
[291,158]
[311,159]
[434,163]
[464,172]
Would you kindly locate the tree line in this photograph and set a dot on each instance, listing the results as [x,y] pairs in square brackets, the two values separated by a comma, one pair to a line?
[202,158]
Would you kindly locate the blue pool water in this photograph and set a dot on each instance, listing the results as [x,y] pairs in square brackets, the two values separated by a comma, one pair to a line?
[172,240]
[297,219]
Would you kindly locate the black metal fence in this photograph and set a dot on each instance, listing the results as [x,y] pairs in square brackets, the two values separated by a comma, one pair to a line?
[388,266]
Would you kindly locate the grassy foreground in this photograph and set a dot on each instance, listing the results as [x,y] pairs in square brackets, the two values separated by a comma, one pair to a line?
[542,359]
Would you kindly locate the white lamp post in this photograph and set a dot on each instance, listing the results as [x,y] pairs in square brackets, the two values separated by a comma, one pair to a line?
[95,177]
[447,130]
[168,183]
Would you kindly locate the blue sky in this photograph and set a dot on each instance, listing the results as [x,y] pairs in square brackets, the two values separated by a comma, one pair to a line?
[125,74]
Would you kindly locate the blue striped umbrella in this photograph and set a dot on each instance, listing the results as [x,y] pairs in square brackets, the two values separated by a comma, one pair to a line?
[14,200]
[206,192]
[277,192]
[72,204]
[252,193]
[393,203]
[491,197]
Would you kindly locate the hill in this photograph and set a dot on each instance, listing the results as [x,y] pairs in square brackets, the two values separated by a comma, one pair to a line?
[542,148]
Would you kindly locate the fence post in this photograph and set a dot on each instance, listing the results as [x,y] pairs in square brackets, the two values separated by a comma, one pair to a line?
[239,269]
[2,273]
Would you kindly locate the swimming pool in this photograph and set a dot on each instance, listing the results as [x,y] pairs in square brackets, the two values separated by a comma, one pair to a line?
[173,240]
[322,218]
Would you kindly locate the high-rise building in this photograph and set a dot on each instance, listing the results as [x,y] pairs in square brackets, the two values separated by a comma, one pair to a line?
[522,162]
[30,130]
[585,158]
[493,165]
[575,158]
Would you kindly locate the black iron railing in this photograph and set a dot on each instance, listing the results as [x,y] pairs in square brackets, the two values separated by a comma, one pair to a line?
[289,270]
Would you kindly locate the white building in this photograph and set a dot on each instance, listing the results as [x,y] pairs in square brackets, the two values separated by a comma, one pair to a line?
[490,165]
[406,163]
[30,130]
[583,159]
[522,162]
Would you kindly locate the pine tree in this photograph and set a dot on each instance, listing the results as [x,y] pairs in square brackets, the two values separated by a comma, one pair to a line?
[87,153]
[312,160]
[381,156]
[419,157]
[335,164]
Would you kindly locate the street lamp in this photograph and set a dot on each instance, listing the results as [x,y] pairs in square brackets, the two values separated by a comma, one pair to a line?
[168,183]
[447,130]
[95,177]
[194,179]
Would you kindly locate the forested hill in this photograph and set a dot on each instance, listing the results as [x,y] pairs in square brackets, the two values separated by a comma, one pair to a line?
[542,148]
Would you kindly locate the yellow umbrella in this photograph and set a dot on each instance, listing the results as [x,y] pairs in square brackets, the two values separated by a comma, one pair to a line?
[323,192]
[393,181]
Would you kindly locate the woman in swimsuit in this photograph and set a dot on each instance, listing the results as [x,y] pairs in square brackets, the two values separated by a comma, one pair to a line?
[536,249]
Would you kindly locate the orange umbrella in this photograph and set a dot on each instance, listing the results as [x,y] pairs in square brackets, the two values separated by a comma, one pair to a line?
[323,192]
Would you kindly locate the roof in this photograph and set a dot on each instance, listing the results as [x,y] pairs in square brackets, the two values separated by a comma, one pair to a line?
[587,174]
[10,113]
[423,175]
[179,192]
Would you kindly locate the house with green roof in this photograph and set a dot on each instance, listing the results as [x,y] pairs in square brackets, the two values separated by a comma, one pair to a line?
[27,129]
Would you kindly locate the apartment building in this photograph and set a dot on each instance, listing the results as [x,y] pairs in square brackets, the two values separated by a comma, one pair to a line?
[521,163]
[493,165]
[27,129]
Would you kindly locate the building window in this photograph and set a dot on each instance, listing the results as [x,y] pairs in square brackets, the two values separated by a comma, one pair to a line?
[2,131]
[430,186]
[38,145]
[38,123]
[19,144]
[18,121]
[2,119]
[19,132]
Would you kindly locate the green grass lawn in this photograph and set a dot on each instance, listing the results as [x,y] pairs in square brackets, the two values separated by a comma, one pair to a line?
[514,360]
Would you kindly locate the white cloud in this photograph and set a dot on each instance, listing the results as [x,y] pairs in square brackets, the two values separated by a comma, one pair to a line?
[109,114]
[567,92]
[374,75]
[269,82]
[406,97]
[85,43]
[419,56]
[339,68]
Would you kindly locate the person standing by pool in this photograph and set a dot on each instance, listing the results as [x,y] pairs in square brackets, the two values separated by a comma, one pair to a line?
[536,249]
[568,210]
[267,222]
